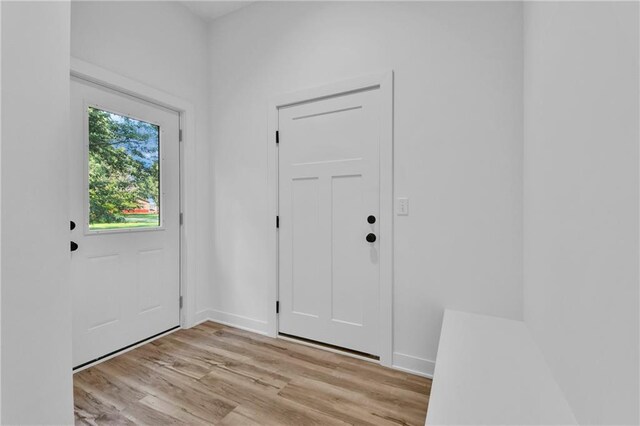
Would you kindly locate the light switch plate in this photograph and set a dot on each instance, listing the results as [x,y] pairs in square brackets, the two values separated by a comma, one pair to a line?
[402,206]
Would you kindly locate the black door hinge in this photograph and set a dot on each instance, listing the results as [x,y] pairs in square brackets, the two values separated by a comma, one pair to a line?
[277,136]
[277,221]
[278,307]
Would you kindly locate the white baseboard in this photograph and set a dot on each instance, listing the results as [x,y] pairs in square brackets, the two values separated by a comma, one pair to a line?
[414,365]
[200,317]
[408,363]
[237,321]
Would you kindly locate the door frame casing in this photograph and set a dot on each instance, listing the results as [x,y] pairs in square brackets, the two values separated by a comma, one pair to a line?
[383,81]
[111,80]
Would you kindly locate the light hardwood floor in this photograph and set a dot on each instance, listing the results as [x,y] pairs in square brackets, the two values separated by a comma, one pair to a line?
[212,374]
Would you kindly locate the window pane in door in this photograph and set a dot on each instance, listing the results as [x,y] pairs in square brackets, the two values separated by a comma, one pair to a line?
[124,172]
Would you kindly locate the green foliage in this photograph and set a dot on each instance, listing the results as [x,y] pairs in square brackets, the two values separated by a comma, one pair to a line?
[119,175]
[131,221]
[149,183]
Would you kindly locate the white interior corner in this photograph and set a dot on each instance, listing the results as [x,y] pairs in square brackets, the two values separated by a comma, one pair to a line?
[507,145]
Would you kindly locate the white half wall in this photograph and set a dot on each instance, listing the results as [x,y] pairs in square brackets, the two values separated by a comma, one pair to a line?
[581,201]
[458,149]
[163,45]
[36,301]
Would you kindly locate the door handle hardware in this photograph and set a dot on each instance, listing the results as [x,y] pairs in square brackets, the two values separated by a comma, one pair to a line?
[72,225]
[371,238]
[74,246]
[371,219]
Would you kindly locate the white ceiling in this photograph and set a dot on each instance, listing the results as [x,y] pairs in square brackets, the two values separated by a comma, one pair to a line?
[211,9]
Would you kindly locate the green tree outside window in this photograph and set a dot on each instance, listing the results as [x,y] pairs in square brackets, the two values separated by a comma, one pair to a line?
[124,171]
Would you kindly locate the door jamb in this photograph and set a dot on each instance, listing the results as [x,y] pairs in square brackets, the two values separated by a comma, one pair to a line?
[384,81]
[109,79]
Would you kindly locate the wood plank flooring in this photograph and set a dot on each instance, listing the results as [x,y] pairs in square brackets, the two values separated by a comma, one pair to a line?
[213,374]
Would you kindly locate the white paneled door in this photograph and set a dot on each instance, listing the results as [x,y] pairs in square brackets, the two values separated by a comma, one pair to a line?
[124,181]
[329,203]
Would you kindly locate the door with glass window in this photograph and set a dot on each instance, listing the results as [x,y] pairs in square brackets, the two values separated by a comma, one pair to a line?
[124,181]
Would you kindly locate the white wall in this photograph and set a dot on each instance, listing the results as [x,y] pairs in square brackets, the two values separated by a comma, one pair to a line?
[36,303]
[162,45]
[0,215]
[581,202]
[458,149]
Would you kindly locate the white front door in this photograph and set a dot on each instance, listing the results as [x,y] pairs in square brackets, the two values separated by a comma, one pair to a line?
[124,181]
[329,203]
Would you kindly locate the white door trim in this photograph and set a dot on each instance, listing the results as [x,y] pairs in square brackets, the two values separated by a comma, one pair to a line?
[112,80]
[384,81]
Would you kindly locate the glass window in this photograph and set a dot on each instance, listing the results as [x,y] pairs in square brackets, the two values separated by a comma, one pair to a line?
[124,172]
